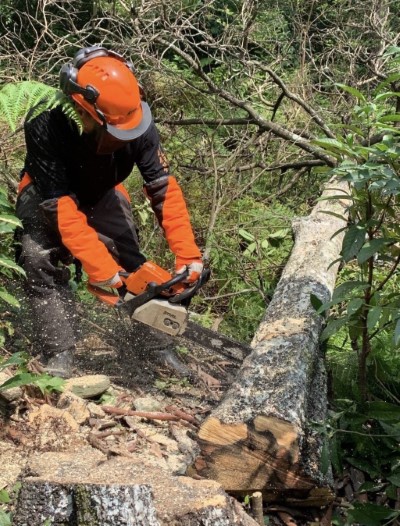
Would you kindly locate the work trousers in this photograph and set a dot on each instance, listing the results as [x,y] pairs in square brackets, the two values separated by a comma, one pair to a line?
[44,258]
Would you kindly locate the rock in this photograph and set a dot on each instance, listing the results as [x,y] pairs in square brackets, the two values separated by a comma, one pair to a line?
[90,386]
[76,406]
[9,395]
[86,488]
[147,403]
[95,410]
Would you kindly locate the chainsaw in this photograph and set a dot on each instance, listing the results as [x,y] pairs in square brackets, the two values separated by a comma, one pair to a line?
[153,296]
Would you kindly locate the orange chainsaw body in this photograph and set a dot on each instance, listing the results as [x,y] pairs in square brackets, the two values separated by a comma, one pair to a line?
[149,272]
[153,296]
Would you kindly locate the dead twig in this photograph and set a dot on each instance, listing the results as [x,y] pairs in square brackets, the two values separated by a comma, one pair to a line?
[105,434]
[173,409]
[151,415]
[257,507]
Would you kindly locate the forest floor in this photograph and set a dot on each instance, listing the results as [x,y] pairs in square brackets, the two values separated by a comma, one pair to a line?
[127,358]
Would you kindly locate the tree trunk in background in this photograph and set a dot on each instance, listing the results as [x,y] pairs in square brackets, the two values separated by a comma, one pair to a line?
[260,437]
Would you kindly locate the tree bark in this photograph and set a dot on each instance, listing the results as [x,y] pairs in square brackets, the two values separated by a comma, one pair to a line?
[261,436]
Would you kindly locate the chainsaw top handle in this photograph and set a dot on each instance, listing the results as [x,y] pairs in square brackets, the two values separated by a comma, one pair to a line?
[188,293]
[158,288]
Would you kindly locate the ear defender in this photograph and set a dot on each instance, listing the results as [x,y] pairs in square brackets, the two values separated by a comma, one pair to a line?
[69,72]
[69,85]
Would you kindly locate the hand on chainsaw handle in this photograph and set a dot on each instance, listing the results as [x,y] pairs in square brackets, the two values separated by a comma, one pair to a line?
[114,282]
[194,268]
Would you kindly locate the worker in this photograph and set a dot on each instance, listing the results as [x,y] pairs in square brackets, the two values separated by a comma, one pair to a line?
[71,200]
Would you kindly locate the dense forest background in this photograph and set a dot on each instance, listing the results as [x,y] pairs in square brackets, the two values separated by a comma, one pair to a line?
[259,104]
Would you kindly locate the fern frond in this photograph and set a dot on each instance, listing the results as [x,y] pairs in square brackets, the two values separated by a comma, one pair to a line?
[17,98]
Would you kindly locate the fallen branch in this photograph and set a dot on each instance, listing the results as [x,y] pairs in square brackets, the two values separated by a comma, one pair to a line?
[181,414]
[151,415]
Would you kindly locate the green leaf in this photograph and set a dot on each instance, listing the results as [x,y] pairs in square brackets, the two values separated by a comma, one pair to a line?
[394,479]
[250,249]
[336,453]
[341,292]
[336,197]
[333,146]
[325,458]
[391,492]
[352,242]
[6,228]
[354,305]
[8,298]
[384,411]
[370,514]
[371,487]
[334,262]
[392,430]
[363,465]
[47,383]
[353,91]
[18,358]
[6,218]
[373,317]
[246,235]
[9,263]
[396,336]
[334,214]
[387,95]
[369,249]
[18,380]
[4,496]
[395,117]
[333,327]
[5,518]
[392,50]
[279,234]
[315,302]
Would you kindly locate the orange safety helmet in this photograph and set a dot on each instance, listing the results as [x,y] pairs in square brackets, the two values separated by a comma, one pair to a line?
[104,84]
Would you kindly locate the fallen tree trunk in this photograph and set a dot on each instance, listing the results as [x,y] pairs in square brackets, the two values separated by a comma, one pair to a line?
[260,436]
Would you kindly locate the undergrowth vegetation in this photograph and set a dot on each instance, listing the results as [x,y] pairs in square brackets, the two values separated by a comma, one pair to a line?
[363,317]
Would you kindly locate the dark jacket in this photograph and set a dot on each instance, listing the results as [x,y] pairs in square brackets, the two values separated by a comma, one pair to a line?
[69,172]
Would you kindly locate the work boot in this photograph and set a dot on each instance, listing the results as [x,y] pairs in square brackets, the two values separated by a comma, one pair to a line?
[61,364]
[169,358]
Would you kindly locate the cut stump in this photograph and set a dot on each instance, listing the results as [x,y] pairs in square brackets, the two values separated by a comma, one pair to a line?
[86,488]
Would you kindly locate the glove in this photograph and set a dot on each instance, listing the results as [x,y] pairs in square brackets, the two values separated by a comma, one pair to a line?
[194,266]
[114,282]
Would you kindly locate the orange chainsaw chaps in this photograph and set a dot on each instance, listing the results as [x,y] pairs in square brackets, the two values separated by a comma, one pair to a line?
[149,272]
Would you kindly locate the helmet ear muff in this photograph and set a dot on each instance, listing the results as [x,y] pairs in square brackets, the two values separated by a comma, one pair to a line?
[69,72]
[68,84]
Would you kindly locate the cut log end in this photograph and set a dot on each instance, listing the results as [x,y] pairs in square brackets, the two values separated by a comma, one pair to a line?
[263,455]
